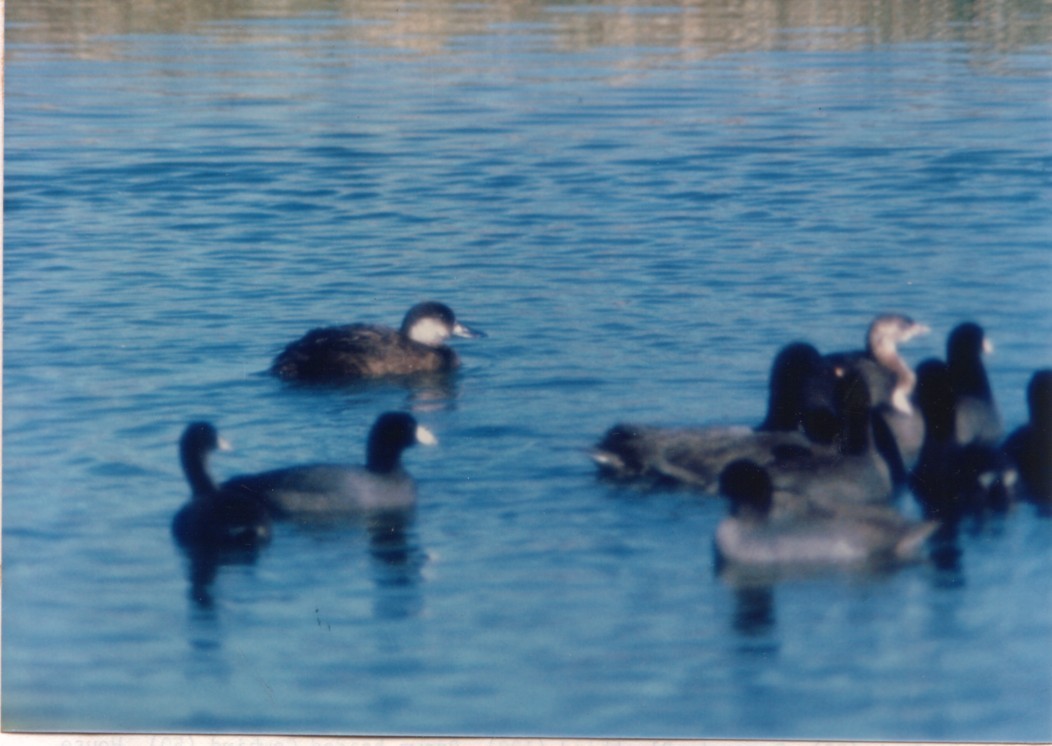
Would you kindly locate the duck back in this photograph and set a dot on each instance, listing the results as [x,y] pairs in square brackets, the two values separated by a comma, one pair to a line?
[358,351]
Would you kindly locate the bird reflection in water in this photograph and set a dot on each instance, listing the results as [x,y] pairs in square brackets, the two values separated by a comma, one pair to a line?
[423,392]
[754,617]
[754,611]
[203,563]
[397,564]
[432,393]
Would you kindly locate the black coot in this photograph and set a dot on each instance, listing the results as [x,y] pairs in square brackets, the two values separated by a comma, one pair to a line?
[215,518]
[1030,447]
[815,535]
[978,419]
[799,415]
[321,491]
[952,480]
[853,470]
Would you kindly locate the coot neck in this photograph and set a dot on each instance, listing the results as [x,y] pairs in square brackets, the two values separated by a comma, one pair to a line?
[196,469]
[940,419]
[853,396]
[382,457]
[968,377]
[1041,425]
[782,414]
[855,431]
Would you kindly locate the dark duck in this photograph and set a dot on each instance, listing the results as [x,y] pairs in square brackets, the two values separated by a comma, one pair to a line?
[952,480]
[1029,447]
[352,352]
[215,518]
[851,469]
[978,419]
[799,400]
[323,491]
[770,530]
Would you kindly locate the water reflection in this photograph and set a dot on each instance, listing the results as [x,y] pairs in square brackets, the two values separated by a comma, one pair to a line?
[754,617]
[397,562]
[203,564]
[944,546]
[754,610]
[683,29]
[432,393]
[423,393]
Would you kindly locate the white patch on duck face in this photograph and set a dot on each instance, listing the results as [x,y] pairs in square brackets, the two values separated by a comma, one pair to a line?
[429,331]
[425,436]
[223,444]
[988,345]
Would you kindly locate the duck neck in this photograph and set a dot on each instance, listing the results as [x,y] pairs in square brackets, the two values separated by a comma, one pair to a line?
[969,377]
[853,395]
[905,382]
[381,458]
[196,469]
[855,432]
[886,353]
[940,421]
[782,415]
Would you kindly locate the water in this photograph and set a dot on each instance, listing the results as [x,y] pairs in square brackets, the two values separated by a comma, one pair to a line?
[639,204]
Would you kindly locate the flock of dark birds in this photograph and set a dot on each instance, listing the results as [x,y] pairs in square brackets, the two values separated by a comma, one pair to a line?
[814,484]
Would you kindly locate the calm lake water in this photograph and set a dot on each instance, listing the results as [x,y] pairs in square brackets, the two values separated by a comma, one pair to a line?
[639,203]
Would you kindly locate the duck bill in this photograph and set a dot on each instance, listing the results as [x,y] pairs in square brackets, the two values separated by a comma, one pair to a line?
[917,330]
[988,346]
[462,330]
[224,445]
[425,437]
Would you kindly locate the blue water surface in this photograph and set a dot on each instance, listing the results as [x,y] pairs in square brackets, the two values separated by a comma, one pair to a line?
[640,204]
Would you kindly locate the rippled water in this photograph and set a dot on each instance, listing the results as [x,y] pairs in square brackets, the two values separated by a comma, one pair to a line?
[639,204]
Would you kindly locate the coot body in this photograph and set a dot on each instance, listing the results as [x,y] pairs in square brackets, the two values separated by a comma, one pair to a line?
[757,534]
[951,480]
[323,490]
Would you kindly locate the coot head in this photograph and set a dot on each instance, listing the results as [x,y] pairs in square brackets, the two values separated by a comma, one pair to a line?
[391,434]
[967,341]
[748,486]
[202,438]
[432,323]
[964,354]
[199,439]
